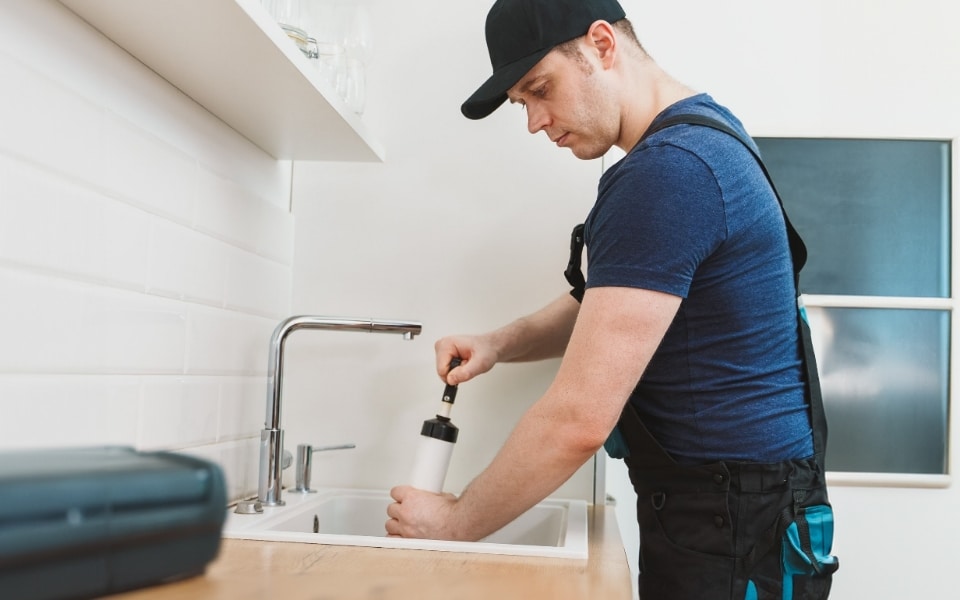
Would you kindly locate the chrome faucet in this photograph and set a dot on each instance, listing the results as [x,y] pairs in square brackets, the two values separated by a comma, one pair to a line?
[271,438]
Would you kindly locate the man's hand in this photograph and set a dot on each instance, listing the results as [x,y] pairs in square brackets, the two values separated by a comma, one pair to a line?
[420,514]
[476,352]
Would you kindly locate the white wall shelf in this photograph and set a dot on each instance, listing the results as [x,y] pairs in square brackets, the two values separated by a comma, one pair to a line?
[235,61]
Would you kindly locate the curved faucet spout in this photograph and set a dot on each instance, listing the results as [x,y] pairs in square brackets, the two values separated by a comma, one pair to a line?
[271,438]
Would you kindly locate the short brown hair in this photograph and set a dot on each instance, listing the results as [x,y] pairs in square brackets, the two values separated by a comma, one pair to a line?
[623,26]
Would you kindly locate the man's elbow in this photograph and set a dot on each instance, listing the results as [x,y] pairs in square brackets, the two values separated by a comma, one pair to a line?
[585,439]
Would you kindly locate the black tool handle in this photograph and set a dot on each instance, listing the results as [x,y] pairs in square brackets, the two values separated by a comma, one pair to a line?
[450,392]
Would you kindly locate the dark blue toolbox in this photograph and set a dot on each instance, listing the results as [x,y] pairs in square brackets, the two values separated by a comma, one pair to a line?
[85,522]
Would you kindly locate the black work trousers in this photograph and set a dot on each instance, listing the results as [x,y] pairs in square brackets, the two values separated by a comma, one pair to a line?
[706,531]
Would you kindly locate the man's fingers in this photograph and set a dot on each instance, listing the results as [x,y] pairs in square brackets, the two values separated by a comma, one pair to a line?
[400,492]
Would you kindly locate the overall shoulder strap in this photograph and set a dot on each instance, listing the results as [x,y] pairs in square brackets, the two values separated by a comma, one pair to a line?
[798,251]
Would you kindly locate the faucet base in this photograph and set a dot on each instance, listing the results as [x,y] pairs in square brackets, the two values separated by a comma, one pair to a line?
[271,456]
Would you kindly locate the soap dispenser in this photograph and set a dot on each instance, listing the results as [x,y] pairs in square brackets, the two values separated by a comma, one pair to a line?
[437,439]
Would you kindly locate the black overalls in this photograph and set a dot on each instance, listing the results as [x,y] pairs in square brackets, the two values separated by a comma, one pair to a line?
[729,530]
[722,530]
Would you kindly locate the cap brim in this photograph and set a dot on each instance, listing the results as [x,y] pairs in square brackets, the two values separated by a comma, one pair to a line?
[493,92]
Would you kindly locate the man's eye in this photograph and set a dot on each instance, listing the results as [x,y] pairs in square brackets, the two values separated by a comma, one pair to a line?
[540,92]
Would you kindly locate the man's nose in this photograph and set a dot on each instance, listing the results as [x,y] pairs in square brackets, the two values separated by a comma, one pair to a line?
[537,118]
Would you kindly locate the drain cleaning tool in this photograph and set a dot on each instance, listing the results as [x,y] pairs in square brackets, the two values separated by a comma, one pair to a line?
[437,438]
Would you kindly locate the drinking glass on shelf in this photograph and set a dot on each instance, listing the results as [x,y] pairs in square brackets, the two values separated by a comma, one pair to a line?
[358,46]
[358,38]
[325,22]
[332,65]
[356,96]
[289,14]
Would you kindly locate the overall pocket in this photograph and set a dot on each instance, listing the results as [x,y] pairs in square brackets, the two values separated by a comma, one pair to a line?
[802,567]
[685,547]
[807,563]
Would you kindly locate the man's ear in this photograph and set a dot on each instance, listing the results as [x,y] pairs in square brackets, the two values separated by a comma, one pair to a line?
[600,36]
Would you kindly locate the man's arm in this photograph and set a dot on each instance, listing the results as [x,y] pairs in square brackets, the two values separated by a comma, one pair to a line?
[541,335]
[616,334]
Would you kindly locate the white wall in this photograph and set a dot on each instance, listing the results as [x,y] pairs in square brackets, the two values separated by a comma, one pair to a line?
[465,226]
[145,254]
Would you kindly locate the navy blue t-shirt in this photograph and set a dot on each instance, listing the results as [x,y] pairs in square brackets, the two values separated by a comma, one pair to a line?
[689,212]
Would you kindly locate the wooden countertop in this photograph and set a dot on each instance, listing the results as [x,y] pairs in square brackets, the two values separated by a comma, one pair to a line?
[252,570]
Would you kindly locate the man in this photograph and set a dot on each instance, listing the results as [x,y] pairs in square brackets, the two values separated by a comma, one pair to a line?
[681,351]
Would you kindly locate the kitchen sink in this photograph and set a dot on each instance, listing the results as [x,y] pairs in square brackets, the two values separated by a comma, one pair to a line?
[356,517]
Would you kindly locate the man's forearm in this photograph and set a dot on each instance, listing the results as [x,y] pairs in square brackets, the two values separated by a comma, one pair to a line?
[540,455]
[541,335]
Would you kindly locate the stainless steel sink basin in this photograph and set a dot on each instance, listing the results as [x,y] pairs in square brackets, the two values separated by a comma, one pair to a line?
[353,517]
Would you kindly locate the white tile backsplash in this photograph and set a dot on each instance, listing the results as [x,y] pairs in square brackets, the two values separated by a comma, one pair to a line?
[229,212]
[275,235]
[132,333]
[185,264]
[142,169]
[57,325]
[41,323]
[58,225]
[179,412]
[256,284]
[46,123]
[68,410]
[226,342]
[243,407]
[145,254]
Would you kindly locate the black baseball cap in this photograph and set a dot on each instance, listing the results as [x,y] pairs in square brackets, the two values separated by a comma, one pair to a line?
[521,32]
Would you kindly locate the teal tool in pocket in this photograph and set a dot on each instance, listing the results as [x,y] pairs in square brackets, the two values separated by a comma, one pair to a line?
[806,546]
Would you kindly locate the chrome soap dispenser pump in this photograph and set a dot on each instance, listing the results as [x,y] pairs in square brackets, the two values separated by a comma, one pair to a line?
[437,439]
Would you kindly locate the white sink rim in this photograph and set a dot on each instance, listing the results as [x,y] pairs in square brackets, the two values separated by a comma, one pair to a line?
[256,527]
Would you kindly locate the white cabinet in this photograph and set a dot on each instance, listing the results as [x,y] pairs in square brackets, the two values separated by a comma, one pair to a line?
[235,61]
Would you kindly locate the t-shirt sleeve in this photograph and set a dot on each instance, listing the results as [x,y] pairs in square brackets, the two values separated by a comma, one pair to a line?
[659,215]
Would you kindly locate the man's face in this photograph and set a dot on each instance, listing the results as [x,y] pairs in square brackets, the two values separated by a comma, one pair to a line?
[568,97]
